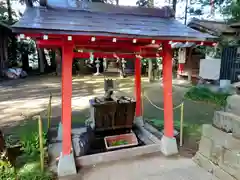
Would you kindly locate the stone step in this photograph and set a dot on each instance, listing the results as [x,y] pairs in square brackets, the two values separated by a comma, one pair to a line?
[227,122]
[226,140]
[219,153]
[233,104]
[209,166]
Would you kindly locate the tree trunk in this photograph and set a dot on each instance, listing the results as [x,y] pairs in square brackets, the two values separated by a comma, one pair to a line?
[150,70]
[174,5]
[53,65]
[40,60]
[186,13]
[190,64]
[46,65]
[9,9]
[150,64]
[25,62]
[59,62]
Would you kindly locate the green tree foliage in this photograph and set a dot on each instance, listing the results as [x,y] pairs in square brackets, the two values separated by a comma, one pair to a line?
[231,10]
[3,12]
[145,3]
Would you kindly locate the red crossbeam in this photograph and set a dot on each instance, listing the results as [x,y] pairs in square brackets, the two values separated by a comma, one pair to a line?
[109,39]
[86,55]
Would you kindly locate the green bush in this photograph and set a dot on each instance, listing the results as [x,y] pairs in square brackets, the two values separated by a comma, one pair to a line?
[30,143]
[190,130]
[206,95]
[27,165]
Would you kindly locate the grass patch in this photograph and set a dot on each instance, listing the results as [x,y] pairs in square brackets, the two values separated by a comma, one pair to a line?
[27,165]
[79,119]
[189,130]
[206,95]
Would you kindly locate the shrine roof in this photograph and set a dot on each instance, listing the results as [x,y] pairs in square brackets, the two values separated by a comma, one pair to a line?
[106,20]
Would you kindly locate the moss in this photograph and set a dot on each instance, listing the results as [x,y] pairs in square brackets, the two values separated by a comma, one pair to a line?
[189,130]
[206,95]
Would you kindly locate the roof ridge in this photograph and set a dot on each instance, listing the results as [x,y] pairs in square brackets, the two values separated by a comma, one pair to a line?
[193,20]
[164,12]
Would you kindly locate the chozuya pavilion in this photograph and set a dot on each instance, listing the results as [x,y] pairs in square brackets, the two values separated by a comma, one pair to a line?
[109,31]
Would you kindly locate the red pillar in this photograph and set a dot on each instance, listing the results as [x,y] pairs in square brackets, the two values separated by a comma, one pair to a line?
[167,90]
[67,58]
[138,86]
[180,68]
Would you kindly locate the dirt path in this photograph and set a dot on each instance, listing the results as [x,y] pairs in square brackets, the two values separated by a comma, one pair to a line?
[25,97]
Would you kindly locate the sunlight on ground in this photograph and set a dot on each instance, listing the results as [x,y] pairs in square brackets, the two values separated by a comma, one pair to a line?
[29,167]
[22,104]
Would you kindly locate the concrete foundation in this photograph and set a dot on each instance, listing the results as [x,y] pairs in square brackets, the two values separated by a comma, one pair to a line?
[110,156]
[139,121]
[168,146]
[59,132]
[66,165]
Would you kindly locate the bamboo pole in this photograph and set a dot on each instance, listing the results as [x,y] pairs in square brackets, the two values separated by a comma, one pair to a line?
[142,101]
[49,111]
[41,149]
[181,125]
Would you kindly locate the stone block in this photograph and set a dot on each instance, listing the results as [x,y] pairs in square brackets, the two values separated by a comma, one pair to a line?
[206,164]
[66,165]
[224,120]
[206,130]
[221,174]
[216,153]
[168,146]
[221,138]
[233,104]
[105,157]
[205,146]
[236,128]
[203,162]
[231,163]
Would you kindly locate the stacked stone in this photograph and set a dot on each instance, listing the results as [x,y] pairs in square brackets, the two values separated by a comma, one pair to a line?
[219,148]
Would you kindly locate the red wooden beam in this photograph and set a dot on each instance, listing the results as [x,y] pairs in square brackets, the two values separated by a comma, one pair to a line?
[86,55]
[88,37]
[110,38]
[49,43]
[97,46]
[108,48]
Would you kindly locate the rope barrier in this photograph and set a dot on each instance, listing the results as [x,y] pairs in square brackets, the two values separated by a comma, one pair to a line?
[154,105]
[157,107]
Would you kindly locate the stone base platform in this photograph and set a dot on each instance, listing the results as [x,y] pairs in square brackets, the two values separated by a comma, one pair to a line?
[219,153]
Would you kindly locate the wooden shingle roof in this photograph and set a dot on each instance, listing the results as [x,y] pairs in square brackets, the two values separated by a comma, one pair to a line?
[216,28]
[106,20]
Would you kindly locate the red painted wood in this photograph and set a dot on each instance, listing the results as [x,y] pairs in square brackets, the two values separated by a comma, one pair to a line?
[167,90]
[138,87]
[180,68]
[49,43]
[86,55]
[67,56]
[87,38]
